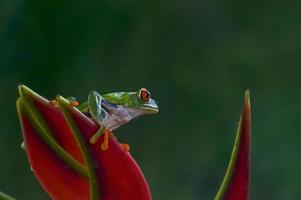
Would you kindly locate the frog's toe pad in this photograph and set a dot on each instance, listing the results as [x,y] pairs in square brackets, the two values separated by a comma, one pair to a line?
[54,102]
[105,144]
[93,139]
[126,147]
[74,103]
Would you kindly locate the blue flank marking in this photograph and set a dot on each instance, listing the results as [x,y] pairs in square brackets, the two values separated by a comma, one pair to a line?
[107,103]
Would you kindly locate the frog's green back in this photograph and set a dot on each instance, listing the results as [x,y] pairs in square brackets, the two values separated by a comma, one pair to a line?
[122,98]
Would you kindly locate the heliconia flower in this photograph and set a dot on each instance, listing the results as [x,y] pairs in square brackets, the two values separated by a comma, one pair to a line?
[235,185]
[56,140]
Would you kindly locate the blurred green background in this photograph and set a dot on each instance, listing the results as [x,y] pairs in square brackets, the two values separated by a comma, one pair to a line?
[196,57]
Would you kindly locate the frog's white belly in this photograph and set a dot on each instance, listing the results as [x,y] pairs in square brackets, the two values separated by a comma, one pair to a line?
[120,116]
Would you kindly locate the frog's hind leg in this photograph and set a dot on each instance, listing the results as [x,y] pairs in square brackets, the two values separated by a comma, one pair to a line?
[73,101]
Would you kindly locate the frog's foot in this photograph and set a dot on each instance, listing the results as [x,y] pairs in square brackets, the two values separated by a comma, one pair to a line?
[95,137]
[105,144]
[73,101]
[106,133]
[54,102]
[125,147]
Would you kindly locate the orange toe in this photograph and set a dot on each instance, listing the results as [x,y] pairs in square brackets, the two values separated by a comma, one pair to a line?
[125,147]
[74,103]
[54,102]
[105,144]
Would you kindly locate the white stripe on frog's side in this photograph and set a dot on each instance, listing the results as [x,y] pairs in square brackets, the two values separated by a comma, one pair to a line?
[120,115]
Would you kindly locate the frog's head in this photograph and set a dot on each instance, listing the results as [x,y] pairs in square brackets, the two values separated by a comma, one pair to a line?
[138,103]
[142,100]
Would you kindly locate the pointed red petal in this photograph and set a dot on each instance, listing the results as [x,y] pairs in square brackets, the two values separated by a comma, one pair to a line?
[236,182]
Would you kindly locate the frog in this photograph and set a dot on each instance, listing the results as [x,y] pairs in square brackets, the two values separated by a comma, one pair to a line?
[112,110]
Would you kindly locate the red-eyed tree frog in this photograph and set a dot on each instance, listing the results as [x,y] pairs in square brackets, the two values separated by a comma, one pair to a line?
[112,110]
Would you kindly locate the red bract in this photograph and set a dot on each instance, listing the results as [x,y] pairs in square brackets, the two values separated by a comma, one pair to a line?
[66,164]
[235,185]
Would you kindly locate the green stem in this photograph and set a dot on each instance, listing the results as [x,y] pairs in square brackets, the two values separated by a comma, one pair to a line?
[4,196]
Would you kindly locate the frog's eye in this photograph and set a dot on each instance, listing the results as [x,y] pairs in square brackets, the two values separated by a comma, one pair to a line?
[144,95]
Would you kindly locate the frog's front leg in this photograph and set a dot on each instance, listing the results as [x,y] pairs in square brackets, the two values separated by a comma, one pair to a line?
[106,133]
[99,115]
[96,135]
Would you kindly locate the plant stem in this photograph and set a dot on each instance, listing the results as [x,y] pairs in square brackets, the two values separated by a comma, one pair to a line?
[4,196]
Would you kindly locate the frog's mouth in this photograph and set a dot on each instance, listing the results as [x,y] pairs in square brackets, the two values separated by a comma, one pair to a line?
[152,109]
[151,106]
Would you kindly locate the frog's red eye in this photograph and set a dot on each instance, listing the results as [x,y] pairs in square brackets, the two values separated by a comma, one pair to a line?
[144,95]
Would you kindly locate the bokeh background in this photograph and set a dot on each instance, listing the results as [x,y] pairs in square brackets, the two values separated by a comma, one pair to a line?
[196,57]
